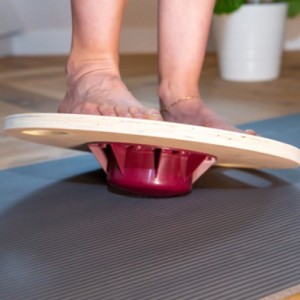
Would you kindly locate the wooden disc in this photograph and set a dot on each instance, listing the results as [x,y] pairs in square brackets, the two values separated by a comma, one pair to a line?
[73,131]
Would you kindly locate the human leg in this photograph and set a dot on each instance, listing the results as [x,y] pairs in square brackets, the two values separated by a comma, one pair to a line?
[183,31]
[94,84]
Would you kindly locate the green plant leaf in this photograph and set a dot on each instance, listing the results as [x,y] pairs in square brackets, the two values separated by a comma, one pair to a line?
[227,6]
[294,7]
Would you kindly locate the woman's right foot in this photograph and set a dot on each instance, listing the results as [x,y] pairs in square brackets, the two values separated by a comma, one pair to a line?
[100,91]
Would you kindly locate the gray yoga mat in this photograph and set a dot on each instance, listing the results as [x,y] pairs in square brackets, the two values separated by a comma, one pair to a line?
[63,235]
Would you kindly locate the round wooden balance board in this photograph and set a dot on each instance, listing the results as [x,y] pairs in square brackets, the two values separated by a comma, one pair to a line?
[153,158]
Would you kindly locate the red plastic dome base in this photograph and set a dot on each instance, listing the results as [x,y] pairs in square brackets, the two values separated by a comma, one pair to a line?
[150,171]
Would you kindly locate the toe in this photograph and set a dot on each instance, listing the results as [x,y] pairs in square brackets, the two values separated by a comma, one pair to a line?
[135,112]
[122,111]
[107,110]
[250,131]
[140,113]
[152,114]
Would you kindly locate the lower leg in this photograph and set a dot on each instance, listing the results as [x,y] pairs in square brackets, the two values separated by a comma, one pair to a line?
[94,84]
[183,31]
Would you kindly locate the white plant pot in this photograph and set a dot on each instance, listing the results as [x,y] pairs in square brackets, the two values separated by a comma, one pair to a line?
[250,41]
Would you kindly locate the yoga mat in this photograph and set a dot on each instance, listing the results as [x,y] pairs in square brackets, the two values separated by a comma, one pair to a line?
[64,235]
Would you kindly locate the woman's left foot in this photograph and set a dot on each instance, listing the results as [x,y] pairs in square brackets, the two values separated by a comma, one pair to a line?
[191,110]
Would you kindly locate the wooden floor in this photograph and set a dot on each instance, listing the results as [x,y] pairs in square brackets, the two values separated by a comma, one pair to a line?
[37,84]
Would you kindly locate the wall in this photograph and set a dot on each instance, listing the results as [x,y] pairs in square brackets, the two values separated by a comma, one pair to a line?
[47,27]
[44,27]
[10,23]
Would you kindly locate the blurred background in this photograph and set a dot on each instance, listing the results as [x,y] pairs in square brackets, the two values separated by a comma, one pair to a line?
[35,27]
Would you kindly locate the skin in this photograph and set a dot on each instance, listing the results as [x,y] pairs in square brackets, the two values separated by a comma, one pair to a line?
[94,83]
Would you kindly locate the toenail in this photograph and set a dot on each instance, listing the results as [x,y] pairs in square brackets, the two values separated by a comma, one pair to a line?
[250,131]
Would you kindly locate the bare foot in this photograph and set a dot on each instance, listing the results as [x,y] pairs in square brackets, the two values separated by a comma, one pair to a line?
[192,110]
[99,92]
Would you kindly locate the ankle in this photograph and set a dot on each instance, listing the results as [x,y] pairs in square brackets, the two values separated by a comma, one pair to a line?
[77,65]
[169,92]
